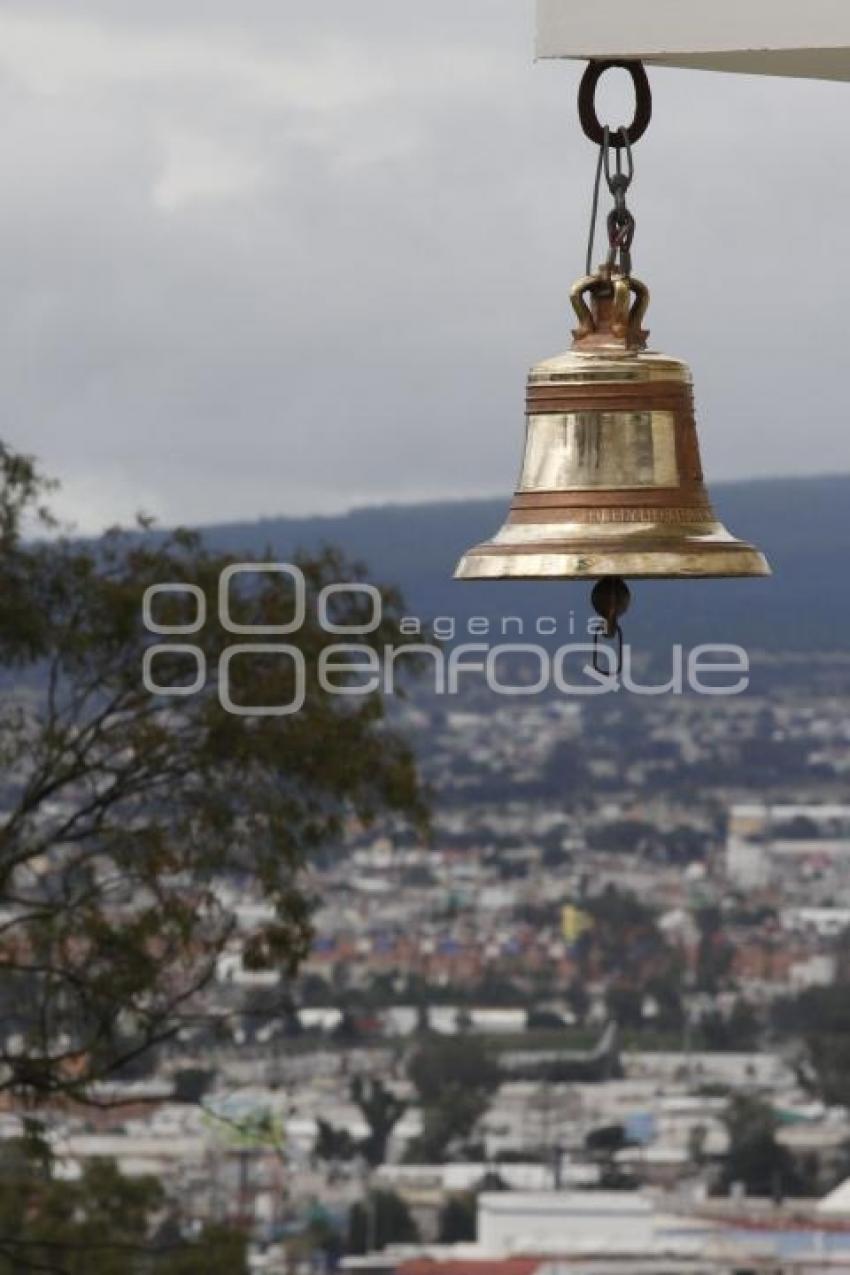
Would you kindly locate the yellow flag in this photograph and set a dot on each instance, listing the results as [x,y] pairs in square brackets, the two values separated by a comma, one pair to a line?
[574,922]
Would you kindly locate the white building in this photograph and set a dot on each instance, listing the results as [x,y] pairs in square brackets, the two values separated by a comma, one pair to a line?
[747,864]
[556,1221]
[827,923]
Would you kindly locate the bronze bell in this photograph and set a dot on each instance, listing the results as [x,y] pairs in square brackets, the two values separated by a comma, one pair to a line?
[611,482]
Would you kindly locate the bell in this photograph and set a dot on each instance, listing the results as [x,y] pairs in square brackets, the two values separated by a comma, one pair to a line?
[611,482]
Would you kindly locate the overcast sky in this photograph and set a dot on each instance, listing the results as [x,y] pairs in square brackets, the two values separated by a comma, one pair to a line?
[287,257]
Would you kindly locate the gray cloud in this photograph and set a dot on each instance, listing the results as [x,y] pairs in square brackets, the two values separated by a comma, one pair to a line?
[282,257]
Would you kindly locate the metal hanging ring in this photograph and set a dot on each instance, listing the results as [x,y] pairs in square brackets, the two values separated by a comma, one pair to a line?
[587,104]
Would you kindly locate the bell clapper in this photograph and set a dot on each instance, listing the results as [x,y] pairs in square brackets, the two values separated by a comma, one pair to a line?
[610,599]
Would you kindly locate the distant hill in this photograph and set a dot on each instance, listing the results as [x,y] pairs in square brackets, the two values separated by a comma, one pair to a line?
[802,524]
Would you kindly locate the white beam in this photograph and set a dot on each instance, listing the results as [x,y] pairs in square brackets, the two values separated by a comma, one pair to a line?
[800,38]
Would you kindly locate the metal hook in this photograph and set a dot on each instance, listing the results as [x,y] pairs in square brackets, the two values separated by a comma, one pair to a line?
[597,647]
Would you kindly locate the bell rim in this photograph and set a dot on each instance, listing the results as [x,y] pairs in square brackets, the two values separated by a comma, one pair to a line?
[723,562]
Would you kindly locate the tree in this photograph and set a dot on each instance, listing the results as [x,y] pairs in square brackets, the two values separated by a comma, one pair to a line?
[827,1072]
[603,1144]
[319,1246]
[664,990]
[383,1218]
[697,1140]
[606,1140]
[219,1250]
[102,1224]
[493,1181]
[739,1030]
[448,1121]
[347,1030]
[714,952]
[755,1158]
[684,844]
[333,1144]
[455,1078]
[578,1000]
[381,1110]
[449,1062]
[622,836]
[625,1006]
[192,1083]
[820,1018]
[125,810]
[624,939]
[544,1020]
[457,1220]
